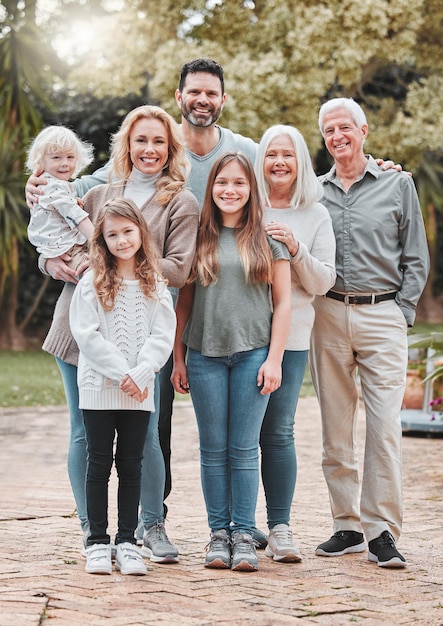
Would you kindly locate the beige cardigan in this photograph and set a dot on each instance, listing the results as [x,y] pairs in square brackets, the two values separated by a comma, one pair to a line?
[174,228]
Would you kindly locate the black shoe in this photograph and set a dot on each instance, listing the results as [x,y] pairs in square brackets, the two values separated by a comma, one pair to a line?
[383,551]
[342,542]
[260,539]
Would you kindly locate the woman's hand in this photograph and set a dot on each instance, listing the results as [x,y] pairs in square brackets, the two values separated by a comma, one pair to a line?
[282,232]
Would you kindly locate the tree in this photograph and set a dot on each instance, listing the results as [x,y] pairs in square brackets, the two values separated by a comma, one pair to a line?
[429,179]
[23,76]
[282,59]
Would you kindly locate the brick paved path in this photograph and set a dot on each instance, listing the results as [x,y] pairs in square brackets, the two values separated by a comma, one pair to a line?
[42,578]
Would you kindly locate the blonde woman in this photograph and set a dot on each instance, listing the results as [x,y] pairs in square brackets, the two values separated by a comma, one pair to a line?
[149,160]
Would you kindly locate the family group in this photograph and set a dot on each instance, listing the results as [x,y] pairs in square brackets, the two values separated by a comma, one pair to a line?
[198,261]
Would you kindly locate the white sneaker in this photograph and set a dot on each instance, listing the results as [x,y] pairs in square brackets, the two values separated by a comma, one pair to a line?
[98,559]
[280,545]
[129,560]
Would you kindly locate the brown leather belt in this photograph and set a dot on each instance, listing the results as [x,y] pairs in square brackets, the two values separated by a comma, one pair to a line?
[373,298]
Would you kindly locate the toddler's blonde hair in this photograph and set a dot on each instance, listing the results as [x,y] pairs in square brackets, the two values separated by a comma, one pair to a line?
[54,138]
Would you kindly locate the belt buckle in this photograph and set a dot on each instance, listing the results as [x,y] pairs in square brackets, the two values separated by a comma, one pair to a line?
[346,300]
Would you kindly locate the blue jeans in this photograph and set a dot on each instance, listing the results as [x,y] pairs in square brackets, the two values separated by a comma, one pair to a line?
[229,410]
[101,428]
[77,454]
[279,461]
[156,465]
[153,469]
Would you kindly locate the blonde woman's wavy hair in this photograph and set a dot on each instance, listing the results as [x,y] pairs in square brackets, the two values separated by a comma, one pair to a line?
[147,258]
[253,246]
[174,174]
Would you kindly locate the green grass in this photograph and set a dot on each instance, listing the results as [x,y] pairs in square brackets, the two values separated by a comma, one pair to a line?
[30,379]
[33,378]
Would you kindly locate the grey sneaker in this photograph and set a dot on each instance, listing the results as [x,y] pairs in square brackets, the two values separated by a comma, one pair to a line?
[260,539]
[280,545]
[157,546]
[218,553]
[244,557]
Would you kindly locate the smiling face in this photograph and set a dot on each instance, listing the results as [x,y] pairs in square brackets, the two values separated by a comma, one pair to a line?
[280,164]
[149,145]
[201,99]
[343,138]
[60,164]
[230,192]
[123,239]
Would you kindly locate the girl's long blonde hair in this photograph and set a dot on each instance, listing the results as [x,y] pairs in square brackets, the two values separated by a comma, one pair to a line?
[253,246]
[147,258]
[174,174]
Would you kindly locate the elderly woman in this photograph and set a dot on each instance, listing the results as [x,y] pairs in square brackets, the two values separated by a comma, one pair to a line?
[291,194]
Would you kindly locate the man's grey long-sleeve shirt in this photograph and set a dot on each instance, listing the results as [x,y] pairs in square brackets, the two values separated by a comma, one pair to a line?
[380,235]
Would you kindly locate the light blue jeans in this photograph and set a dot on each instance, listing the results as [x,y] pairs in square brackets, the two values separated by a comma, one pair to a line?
[77,451]
[153,469]
[229,410]
[152,493]
[279,460]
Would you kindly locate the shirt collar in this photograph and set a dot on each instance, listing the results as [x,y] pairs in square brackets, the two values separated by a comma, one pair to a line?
[371,168]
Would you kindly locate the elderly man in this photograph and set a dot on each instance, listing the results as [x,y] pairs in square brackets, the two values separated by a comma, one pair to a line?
[382,264]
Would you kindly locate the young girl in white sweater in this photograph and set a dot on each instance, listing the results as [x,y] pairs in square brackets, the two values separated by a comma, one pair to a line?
[123,321]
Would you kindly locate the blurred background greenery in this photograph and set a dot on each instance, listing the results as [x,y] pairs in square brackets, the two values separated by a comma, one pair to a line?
[32,378]
[86,64]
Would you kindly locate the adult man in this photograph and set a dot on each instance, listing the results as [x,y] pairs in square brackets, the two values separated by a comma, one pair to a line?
[382,265]
[200,97]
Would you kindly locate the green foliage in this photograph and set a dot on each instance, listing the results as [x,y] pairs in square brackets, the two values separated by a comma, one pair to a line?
[33,379]
[12,225]
[282,59]
[433,341]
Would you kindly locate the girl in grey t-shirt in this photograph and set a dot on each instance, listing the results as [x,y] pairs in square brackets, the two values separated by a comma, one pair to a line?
[233,321]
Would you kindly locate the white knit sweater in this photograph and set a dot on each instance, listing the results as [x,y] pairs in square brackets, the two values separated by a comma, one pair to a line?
[134,338]
[312,268]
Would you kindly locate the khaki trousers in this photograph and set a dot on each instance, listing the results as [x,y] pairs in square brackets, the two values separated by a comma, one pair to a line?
[372,339]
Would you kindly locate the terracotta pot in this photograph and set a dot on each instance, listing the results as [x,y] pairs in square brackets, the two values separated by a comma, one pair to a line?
[414,392]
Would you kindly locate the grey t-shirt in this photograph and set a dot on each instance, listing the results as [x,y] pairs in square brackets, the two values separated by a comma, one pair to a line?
[201,165]
[231,315]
